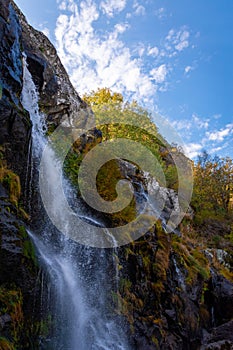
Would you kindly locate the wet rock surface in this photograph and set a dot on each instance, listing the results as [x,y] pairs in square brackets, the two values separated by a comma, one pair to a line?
[19,278]
[21,312]
[14,120]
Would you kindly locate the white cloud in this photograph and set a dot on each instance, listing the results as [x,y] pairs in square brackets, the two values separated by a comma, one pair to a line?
[99,57]
[159,73]
[62,5]
[160,13]
[221,134]
[139,10]
[112,6]
[193,149]
[177,40]
[216,149]
[153,51]
[217,116]
[96,59]
[182,124]
[182,45]
[140,49]
[121,27]
[199,122]
[188,69]
[182,38]
[46,31]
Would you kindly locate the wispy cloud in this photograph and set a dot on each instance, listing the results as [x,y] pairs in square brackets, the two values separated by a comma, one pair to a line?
[100,57]
[121,27]
[159,73]
[177,40]
[110,7]
[161,13]
[221,134]
[61,5]
[200,123]
[153,51]
[193,149]
[215,141]
[188,69]
[94,59]
[46,31]
[139,9]
[216,149]
[180,125]
[43,27]
[194,122]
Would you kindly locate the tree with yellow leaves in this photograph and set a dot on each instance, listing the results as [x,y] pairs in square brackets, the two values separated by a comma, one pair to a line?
[213,185]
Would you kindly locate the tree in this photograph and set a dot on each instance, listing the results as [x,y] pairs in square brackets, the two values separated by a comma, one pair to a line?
[110,106]
[119,119]
[213,184]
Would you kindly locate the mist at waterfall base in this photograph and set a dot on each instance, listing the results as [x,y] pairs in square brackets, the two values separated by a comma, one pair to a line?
[80,279]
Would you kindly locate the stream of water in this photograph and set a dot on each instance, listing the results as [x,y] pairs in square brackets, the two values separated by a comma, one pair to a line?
[81,278]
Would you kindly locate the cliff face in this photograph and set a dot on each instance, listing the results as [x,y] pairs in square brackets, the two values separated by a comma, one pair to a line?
[58,99]
[15,122]
[173,291]
[22,312]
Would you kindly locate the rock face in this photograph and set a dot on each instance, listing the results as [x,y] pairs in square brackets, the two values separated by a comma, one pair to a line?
[20,286]
[166,309]
[15,122]
[21,311]
[58,99]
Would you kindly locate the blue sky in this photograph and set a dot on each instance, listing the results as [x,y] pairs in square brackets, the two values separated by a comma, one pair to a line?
[175,57]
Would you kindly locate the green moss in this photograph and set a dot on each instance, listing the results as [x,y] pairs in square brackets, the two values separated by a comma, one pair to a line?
[42,327]
[193,260]
[195,265]
[122,306]
[124,286]
[5,344]
[11,302]
[216,241]
[28,247]
[146,262]
[155,341]
[50,129]
[12,183]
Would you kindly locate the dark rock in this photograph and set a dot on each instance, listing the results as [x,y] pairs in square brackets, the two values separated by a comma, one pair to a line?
[18,272]
[221,298]
[221,338]
[220,345]
[15,123]
[3,192]
[58,99]
[4,319]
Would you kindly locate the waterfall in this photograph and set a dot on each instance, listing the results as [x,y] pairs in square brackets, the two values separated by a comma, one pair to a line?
[81,278]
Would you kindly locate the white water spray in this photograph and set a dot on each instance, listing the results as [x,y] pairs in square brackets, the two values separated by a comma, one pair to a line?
[79,276]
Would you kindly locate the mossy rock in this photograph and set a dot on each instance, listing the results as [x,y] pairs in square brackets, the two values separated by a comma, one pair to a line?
[11,182]
[27,245]
[11,303]
[6,344]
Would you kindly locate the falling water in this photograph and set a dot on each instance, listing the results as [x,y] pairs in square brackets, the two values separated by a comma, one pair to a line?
[81,278]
